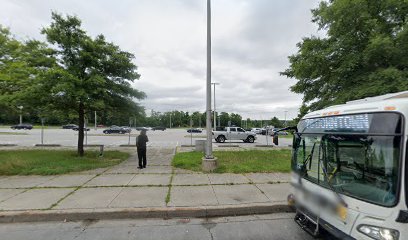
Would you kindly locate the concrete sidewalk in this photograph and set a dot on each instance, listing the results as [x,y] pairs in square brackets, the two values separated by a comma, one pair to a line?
[124,188]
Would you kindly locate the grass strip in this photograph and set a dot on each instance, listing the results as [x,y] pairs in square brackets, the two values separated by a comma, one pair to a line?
[238,161]
[53,162]
[168,196]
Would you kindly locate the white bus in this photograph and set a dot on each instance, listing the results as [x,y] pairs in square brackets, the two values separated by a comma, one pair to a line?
[349,167]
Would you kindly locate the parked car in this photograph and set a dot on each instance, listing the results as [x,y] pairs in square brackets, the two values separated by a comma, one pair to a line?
[279,133]
[69,126]
[100,126]
[234,133]
[194,130]
[268,131]
[128,129]
[158,128]
[141,128]
[256,130]
[22,126]
[77,129]
[116,129]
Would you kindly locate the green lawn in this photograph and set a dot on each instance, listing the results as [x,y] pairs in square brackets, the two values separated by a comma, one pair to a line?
[239,161]
[51,162]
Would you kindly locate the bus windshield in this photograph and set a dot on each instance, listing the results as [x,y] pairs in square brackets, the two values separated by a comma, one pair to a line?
[357,155]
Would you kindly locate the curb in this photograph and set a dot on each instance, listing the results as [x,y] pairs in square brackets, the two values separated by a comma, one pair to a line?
[141,213]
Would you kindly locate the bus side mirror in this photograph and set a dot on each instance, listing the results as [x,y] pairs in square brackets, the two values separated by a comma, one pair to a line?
[276,139]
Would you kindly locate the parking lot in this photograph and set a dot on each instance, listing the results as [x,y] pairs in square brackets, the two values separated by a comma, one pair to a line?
[68,137]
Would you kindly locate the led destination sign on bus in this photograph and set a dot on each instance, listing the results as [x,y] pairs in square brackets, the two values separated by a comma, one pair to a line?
[358,123]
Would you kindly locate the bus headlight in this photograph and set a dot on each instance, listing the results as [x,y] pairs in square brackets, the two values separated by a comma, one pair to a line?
[379,233]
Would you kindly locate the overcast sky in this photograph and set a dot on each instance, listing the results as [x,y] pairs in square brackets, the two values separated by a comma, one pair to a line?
[251,41]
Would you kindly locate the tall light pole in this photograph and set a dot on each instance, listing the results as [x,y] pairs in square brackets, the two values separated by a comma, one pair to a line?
[170,119]
[285,117]
[215,113]
[21,114]
[95,121]
[209,162]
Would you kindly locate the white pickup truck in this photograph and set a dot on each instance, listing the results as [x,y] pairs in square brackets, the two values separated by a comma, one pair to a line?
[234,133]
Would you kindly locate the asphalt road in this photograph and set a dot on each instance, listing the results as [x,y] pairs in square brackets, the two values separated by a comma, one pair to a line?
[67,137]
[259,227]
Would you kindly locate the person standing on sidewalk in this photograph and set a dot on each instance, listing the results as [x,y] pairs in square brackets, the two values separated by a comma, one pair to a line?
[141,141]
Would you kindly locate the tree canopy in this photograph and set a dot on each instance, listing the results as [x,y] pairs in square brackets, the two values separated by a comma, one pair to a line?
[91,73]
[364,53]
[69,76]
[20,64]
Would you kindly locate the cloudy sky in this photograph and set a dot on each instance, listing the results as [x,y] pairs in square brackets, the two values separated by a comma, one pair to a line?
[251,41]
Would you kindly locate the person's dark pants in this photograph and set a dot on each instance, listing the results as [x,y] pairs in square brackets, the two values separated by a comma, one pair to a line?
[141,154]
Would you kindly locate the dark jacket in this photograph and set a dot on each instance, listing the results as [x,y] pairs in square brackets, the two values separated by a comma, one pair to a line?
[141,141]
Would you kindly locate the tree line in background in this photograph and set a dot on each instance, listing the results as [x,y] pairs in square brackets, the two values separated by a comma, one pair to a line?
[174,119]
[177,119]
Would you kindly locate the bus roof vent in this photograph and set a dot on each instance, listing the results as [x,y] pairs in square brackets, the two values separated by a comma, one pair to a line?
[381,98]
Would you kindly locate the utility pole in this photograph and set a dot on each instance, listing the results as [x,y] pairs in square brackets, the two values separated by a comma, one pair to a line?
[209,162]
[86,132]
[95,120]
[208,149]
[285,117]
[21,114]
[42,131]
[215,112]
[130,127]
[170,119]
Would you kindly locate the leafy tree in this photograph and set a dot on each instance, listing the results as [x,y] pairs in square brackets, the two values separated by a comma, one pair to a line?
[224,118]
[235,119]
[92,74]
[198,119]
[276,122]
[21,62]
[364,53]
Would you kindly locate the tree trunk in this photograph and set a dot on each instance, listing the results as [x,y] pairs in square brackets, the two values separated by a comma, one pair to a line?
[81,123]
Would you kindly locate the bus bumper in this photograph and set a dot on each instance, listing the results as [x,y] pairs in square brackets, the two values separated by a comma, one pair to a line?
[313,225]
